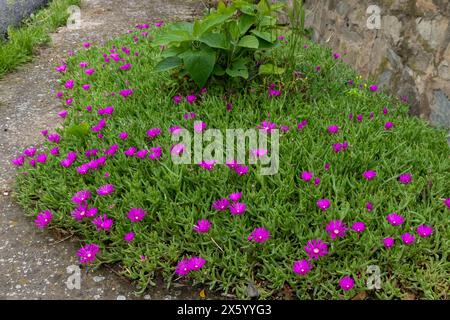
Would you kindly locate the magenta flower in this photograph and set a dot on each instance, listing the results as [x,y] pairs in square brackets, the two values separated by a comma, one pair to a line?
[129,236]
[284,128]
[86,87]
[316,181]
[302,267]
[183,267]
[105,190]
[221,204]
[86,44]
[347,283]
[88,253]
[316,248]
[447,202]
[424,230]
[359,227]
[408,238]
[237,208]
[323,204]
[126,93]
[154,132]
[359,117]
[123,135]
[241,170]
[136,214]
[327,166]
[369,206]
[336,55]
[43,219]
[103,223]
[125,67]
[54,137]
[189,115]
[306,175]
[109,110]
[405,178]
[207,164]
[61,68]
[333,129]
[176,99]
[83,64]
[89,71]
[388,242]
[199,126]
[336,229]
[175,130]
[202,226]
[130,151]
[177,149]
[18,162]
[30,152]
[195,263]
[388,125]
[141,154]
[259,235]
[83,169]
[83,211]
[81,196]
[395,219]
[385,110]
[69,84]
[41,158]
[369,175]
[266,126]
[258,153]
[155,153]
[191,99]
[235,196]
[373,88]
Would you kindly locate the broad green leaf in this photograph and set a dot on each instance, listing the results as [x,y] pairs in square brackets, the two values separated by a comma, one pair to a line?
[263,7]
[249,9]
[264,35]
[249,42]
[168,64]
[172,36]
[199,65]
[263,44]
[170,52]
[182,26]
[215,19]
[215,40]
[218,70]
[78,130]
[269,68]
[233,28]
[267,21]
[245,22]
[238,69]
[197,28]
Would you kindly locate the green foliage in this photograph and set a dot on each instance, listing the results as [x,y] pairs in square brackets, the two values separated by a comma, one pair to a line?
[225,43]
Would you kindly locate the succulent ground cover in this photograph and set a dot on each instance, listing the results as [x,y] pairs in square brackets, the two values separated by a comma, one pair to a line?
[360,183]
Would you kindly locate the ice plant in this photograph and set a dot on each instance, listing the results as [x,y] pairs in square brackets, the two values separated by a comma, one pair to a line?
[196,263]
[373,88]
[155,153]
[316,248]
[237,208]
[221,204]
[81,196]
[388,125]
[235,196]
[176,99]
[136,214]
[83,211]
[359,227]
[424,230]
[347,283]
[128,237]
[105,190]
[302,267]
[202,226]
[323,204]
[333,129]
[154,132]
[183,267]
[388,242]
[408,238]
[103,223]
[369,175]
[191,99]
[306,175]
[266,126]
[336,229]
[199,126]
[447,202]
[259,235]
[369,206]
[177,149]
[395,219]
[43,219]
[88,253]
[207,164]
[258,153]
[405,178]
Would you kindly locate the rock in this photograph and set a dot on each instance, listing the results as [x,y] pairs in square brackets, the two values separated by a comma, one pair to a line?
[120,297]
[98,279]
[13,12]
[252,291]
[440,109]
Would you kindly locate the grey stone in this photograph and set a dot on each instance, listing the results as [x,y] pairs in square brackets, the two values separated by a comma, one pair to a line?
[12,12]
[440,109]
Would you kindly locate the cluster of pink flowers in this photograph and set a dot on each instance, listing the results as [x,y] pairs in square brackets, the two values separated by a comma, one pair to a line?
[231,203]
[185,266]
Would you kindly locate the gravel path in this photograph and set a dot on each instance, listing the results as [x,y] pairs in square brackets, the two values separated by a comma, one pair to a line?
[33,264]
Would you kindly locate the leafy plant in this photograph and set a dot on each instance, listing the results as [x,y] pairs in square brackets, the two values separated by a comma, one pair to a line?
[232,41]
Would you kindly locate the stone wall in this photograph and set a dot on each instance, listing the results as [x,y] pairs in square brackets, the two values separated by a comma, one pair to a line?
[409,54]
[12,12]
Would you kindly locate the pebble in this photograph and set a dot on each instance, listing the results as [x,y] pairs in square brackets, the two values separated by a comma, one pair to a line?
[98,279]
[147,297]
[121,297]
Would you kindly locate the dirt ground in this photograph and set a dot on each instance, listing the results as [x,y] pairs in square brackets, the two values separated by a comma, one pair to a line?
[33,264]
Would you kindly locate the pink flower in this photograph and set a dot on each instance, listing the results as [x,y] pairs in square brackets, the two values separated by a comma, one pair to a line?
[395,219]
[388,242]
[18,162]
[316,249]
[447,202]
[207,164]
[83,211]
[81,196]
[405,178]
[125,67]
[373,88]
[88,253]
[196,263]
[369,175]
[105,190]
[408,238]
[86,87]
[86,44]
[316,181]
[259,235]
[103,223]
[123,135]
[266,126]
[388,125]
[369,206]
[191,99]
[336,229]
[424,231]
[41,158]
[306,175]
[155,153]
[235,196]
[323,204]
[61,68]
[54,137]
[302,267]
[83,64]
[237,208]
[153,132]
[221,204]
[126,93]
[199,126]
[43,219]
[359,227]
[202,226]
[141,154]
[89,71]
[258,153]
[177,149]
[130,151]
[108,110]
[129,236]
[333,129]
[136,214]
[183,267]
[347,283]
[176,99]
[241,170]
[175,130]
[327,166]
